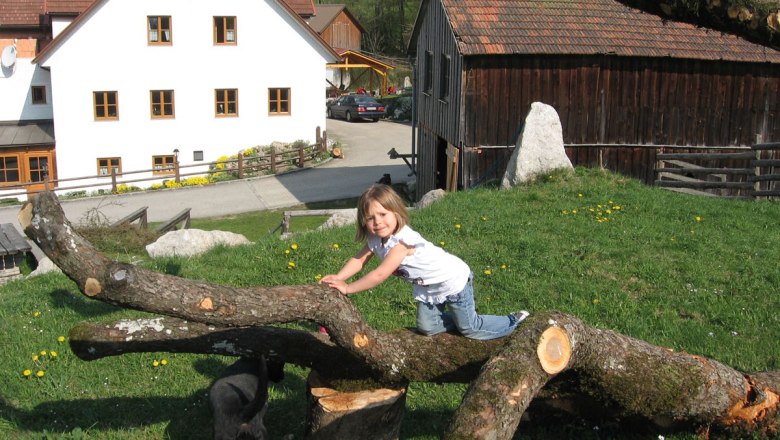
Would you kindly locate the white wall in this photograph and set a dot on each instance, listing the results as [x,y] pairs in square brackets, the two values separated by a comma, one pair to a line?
[109,51]
[15,96]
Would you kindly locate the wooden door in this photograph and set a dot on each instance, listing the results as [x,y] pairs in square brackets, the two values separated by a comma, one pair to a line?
[37,169]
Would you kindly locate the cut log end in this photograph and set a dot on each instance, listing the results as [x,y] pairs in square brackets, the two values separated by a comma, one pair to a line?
[554,350]
[92,287]
[25,215]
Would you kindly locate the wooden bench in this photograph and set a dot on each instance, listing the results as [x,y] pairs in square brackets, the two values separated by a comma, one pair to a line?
[139,214]
[13,246]
[170,225]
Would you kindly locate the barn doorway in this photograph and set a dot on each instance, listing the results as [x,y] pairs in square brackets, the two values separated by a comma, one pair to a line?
[447,161]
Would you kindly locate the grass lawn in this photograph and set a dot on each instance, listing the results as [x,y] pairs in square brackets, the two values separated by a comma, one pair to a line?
[694,274]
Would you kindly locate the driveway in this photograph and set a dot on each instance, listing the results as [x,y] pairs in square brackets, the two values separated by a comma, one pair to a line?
[364,144]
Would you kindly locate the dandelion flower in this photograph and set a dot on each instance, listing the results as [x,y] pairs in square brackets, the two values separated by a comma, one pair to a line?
[36,314]
[43,353]
[488,272]
[164,362]
[503,266]
[317,277]
[26,373]
[565,212]
[155,363]
[457,225]
[441,243]
[40,373]
[53,354]
[579,195]
[336,246]
[286,251]
[596,301]
[291,264]
[698,219]
[61,339]
[294,246]
[484,218]
[35,358]
[574,211]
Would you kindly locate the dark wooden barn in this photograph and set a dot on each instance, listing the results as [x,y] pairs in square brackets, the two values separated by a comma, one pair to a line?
[626,84]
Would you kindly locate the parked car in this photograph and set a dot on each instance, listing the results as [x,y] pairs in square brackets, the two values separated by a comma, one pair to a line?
[351,107]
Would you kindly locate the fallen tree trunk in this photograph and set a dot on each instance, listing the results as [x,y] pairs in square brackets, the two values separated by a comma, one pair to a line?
[627,376]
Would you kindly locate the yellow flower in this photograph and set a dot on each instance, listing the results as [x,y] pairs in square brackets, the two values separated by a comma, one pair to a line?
[294,247]
[596,301]
[441,243]
[488,272]
[164,362]
[40,373]
[698,219]
[155,363]
[291,264]
[565,212]
[317,277]
[61,339]
[35,358]
[53,354]
[43,353]
[26,373]
[286,251]
[579,195]
[36,314]
[336,246]
[573,211]
[457,225]
[503,266]
[484,219]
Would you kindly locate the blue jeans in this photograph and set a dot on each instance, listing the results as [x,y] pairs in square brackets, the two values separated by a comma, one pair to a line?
[461,314]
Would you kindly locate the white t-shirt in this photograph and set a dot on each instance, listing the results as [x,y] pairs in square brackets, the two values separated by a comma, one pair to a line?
[434,273]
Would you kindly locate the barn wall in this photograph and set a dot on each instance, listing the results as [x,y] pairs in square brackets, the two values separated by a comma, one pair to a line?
[437,119]
[618,101]
[342,33]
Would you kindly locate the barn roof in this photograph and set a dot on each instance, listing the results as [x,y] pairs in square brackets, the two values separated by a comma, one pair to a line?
[29,12]
[304,8]
[587,27]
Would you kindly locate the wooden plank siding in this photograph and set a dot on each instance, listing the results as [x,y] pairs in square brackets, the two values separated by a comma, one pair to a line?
[628,106]
[342,33]
[439,122]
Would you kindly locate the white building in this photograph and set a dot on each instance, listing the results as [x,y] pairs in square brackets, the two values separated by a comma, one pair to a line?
[129,83]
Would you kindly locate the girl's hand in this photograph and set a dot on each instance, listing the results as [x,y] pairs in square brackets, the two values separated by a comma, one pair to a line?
[337,284]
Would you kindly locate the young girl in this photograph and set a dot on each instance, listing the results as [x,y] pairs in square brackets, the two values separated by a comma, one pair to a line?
[442,282]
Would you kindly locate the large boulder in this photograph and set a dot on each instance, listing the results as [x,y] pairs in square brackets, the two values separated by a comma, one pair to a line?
[191,242]
[539,148]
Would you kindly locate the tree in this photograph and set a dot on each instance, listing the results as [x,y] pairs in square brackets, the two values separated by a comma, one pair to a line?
[554,361]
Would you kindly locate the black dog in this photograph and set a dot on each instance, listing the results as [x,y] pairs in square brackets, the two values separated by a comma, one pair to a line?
[238,399]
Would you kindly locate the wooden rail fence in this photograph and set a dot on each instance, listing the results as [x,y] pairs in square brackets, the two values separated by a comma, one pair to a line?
[752,173]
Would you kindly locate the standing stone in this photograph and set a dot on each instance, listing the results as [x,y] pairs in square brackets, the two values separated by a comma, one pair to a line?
[539,148]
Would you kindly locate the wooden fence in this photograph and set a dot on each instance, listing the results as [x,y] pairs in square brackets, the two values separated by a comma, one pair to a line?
[274,161]
[753,173]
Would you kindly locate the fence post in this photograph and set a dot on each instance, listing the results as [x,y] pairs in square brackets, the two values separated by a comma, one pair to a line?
[301,157]
[273,160]
[318,136]
[240,166]
[324,145]
[177,178]
[113,180]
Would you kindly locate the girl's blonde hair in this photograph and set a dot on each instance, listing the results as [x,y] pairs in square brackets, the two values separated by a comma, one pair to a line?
[389,199]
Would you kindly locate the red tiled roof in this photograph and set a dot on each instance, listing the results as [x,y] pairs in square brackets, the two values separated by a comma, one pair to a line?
[587,27]
[29,12]
[304,8]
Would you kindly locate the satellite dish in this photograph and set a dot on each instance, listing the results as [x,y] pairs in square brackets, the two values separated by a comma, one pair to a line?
[8,59]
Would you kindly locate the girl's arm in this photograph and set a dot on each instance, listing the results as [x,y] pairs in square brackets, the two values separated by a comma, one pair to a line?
[351,267]
[378,275]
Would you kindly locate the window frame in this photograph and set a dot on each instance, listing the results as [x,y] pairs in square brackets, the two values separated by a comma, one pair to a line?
[106,105]
[428,77]
[444,77]
[109,165]
[167,167]
[160,30]
[221,29]
[41,100]
[161,95]
[4,169]
[225,101]
[274,97]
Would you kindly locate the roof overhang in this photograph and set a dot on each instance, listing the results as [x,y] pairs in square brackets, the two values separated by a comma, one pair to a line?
[26,133]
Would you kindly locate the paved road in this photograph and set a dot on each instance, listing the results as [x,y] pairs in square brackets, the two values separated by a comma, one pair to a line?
[365,146]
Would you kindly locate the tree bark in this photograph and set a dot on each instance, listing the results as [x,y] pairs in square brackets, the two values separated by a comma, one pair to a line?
[625,376]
